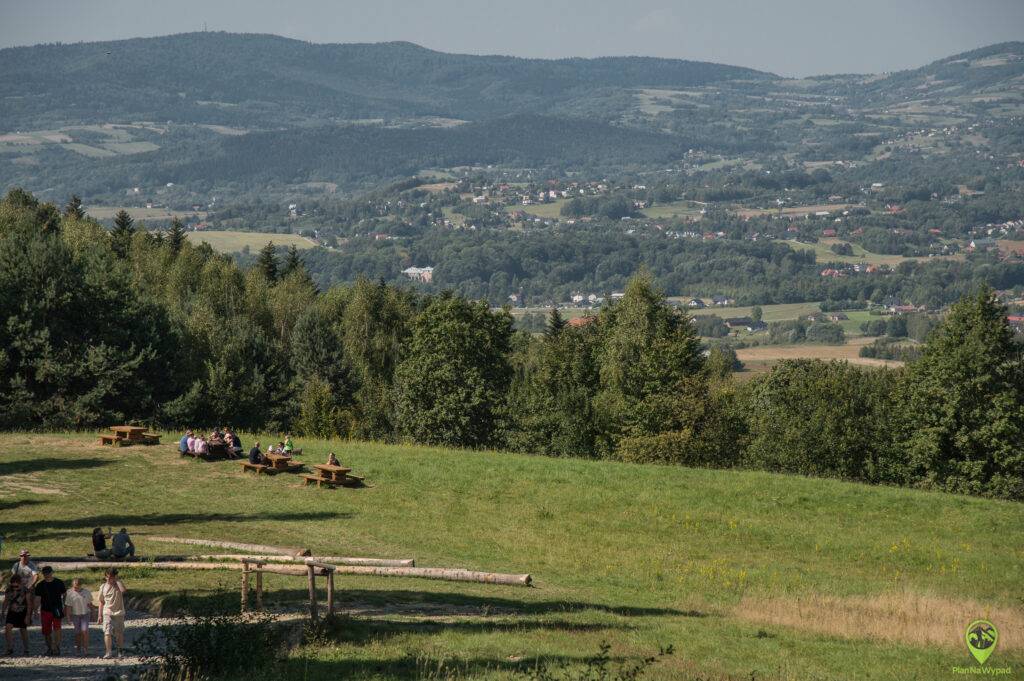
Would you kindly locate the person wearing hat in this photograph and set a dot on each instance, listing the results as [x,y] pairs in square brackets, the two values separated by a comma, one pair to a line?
[51,592]
[26,569]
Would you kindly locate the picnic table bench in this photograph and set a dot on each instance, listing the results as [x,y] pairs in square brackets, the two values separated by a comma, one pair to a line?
[283,463]
[332,476]
[258,468]
[129,435]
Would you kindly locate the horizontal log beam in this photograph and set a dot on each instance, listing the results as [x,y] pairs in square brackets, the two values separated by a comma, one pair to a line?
[255,548]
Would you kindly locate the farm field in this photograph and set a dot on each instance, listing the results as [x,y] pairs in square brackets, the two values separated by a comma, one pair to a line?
[747,574]
[795,210]
[548,211]
[687,209]
[233,242]
[769,313]
[765,356]
[108,212]
[860,256]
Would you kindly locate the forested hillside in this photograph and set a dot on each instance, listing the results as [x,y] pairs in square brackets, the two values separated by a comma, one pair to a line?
[127,325]
[248,79]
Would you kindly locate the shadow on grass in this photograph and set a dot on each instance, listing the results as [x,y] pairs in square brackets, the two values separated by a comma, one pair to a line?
[69,527]
[412,667]
[37,465]
[11,505]
[370,603]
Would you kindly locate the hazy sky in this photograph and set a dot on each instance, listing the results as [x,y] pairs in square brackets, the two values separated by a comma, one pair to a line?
[789,37]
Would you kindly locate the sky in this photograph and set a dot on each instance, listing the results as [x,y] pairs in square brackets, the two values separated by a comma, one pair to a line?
[787,37]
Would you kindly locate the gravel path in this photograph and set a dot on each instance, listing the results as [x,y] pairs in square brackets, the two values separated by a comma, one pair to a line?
[68,667]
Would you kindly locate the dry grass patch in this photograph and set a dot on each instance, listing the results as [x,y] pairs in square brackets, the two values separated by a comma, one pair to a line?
[914,618]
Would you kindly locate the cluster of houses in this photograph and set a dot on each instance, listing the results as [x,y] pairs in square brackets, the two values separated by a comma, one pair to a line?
[424,275]
[717,301]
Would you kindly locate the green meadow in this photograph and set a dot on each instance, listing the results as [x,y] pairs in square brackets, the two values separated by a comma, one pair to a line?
[746,574]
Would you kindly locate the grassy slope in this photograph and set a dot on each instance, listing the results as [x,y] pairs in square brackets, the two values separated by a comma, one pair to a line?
[636,555]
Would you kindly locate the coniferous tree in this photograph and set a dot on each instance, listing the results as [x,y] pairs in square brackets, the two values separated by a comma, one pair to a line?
[267,262]
[74,209]
[176,235]
[555,324]
[121,235]
[292,262]
[963,403]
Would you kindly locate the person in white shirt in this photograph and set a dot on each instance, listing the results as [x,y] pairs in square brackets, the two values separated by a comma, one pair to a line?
[27,569]
[79,604]
[111,613]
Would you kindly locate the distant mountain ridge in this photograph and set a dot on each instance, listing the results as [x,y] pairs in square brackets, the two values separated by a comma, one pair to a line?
[199,77]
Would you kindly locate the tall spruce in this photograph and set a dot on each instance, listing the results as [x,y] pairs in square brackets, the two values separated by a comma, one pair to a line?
[121,235]
[176,235]
[292,261]
[73,208]
[555,324]
[266,261]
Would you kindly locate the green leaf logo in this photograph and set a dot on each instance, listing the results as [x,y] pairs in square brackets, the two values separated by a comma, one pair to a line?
[981,638]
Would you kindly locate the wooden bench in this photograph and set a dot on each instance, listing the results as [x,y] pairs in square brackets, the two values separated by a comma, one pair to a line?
[320,482]
[114,441]
[352,480]
[259,468]
[151,438]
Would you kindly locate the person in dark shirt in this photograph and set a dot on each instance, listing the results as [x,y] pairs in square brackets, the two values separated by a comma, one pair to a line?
[50,593]
[234,444]
[99,543]
[255,455]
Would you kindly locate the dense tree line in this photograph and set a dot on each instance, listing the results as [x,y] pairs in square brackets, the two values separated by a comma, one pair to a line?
[102,326]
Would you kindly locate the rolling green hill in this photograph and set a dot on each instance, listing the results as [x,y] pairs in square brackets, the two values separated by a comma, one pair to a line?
[745,573]
[264,79]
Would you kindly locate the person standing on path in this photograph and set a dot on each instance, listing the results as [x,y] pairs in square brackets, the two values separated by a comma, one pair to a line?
[17,613]
[111,613]
[50,592]
[79,603]
[26,569]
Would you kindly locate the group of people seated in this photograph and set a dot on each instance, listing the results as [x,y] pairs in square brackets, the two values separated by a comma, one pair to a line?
[121,545]
[191,443]
[283,448]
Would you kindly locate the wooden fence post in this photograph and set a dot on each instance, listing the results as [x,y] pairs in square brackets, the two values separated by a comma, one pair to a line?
[259,586]
[245,586]
[311,571]
[330,593]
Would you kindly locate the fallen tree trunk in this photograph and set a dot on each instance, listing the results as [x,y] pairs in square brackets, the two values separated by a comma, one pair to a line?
[257,548]
[86,565]
[448,574]
[334,560]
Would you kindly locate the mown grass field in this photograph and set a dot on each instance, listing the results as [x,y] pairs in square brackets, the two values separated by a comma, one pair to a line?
[108,213]
[747,574]
[232,242]
[823,254]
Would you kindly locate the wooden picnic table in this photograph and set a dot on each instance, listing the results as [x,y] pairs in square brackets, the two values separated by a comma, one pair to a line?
[129,432]
[332,473]
[282,462]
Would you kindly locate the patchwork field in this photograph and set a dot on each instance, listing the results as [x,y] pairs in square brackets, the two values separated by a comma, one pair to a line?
[233,242]
[762,357]
[108,213]
[748,575]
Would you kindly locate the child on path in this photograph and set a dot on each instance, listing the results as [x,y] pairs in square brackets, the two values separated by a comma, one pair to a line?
[79,604]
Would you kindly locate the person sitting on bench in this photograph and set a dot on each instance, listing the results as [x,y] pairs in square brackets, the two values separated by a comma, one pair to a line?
[201,448]
[234,444]
[191,442]
[183,443]
[287,446]
[122,545]
[255,455]
[333,460]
